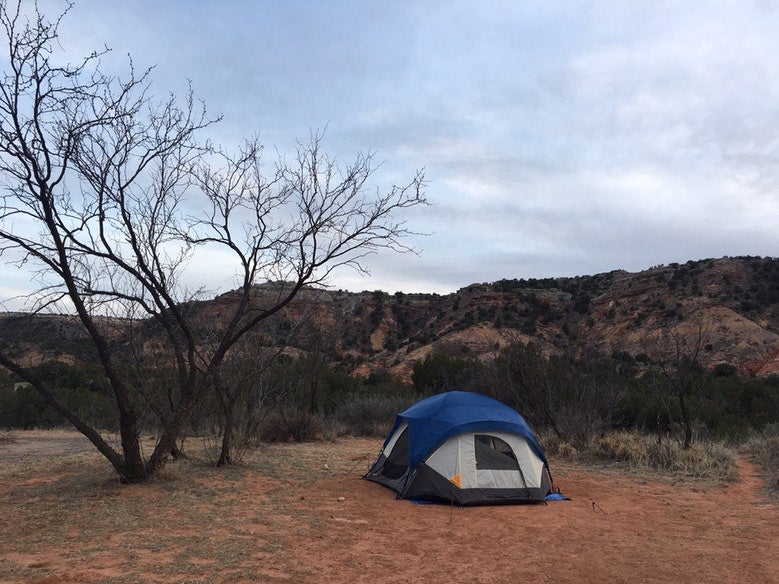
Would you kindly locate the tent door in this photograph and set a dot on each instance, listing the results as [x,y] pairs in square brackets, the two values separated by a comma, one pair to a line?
[397,453]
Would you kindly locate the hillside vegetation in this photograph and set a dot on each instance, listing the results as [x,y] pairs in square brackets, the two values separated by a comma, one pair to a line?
[685,350]
[733,302]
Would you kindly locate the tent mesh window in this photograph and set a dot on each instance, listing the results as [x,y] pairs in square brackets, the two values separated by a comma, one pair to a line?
[397,461]
[492,453]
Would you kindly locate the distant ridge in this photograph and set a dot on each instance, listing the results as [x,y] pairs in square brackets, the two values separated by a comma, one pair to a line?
[734,300]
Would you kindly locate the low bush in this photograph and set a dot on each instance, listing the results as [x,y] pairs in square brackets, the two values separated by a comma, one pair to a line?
[291,425]
[370,415]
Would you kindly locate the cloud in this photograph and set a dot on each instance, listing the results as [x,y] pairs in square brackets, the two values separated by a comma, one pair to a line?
[559,138]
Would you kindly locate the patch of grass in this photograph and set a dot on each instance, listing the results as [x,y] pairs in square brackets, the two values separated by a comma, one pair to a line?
[704,460]
[192,523]
[188,517]
[8,438]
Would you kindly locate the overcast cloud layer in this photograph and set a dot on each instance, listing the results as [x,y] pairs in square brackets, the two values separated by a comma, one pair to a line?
[559,138]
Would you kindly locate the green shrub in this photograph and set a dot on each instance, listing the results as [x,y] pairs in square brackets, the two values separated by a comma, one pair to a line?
[82,389]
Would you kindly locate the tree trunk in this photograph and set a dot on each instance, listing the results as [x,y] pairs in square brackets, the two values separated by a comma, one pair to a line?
[133,468]
[685,420]
[314,404]
[177,453]
[227,436]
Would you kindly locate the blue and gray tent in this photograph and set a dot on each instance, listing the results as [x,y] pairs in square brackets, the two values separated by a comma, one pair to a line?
[465,448]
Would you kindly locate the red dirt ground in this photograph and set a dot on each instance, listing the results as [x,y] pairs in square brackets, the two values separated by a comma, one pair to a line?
[326,525]
[614,529]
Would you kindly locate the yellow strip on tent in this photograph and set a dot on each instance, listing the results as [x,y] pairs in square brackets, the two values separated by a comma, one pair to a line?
[456,480]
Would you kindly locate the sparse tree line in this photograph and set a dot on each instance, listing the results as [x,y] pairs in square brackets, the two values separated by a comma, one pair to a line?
[307,398]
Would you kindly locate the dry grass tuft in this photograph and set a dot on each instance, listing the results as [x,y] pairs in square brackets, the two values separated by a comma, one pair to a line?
[640,452]
[764,451]
[8,438]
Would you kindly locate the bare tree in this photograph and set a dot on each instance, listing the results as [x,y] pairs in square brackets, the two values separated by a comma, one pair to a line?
[100,187]
[677,353]
[242,396]
[576,398]
[531,383]
[241,388]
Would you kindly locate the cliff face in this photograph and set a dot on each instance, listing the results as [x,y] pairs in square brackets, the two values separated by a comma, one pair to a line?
[729,306]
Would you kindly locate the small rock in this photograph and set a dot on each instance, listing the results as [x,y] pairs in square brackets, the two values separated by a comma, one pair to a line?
[342,499]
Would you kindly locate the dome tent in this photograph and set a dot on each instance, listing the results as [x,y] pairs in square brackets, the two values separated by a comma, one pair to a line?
[462,447]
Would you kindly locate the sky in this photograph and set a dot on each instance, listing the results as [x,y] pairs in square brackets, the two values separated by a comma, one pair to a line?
[559,138]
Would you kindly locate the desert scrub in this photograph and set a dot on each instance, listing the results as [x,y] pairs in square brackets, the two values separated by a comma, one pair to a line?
[703,460]
[370,415]
[763,450]
[291,424]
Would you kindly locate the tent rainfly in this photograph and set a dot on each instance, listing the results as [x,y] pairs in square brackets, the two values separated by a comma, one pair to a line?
[464,448]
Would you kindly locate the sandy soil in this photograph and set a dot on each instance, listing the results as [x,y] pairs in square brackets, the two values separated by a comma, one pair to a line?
[36,445]
[301,513]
